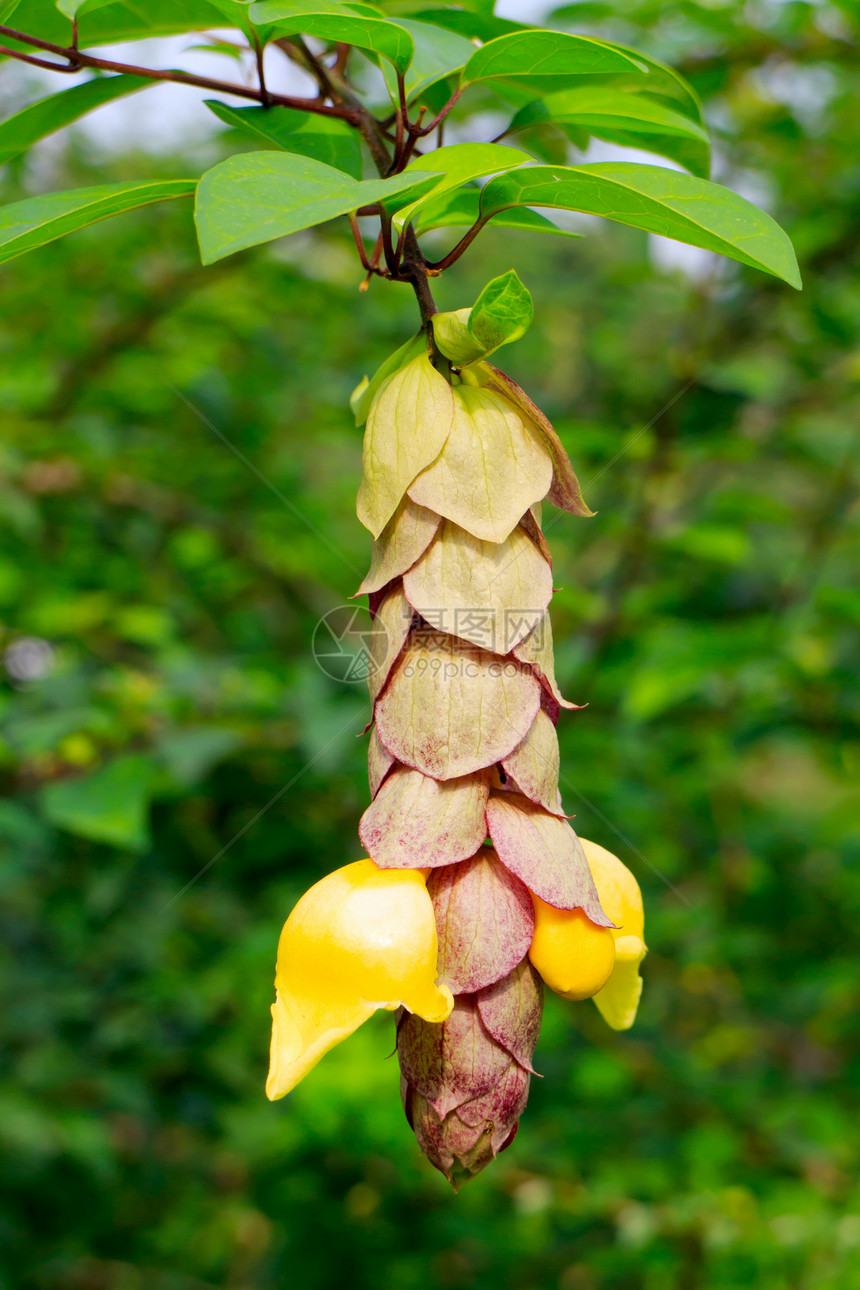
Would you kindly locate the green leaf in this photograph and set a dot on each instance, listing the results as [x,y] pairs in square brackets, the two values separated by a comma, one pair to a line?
[662,201]
[324,138]
[502,313]
[545,59]
[365,392]
[457,165]
[621,117]
[37,220]
[32,123]
[334,22]
[462,208]
[76,8]
[474,26]
[660,82]
[438,54]
[110,806]
[260,196]
[122,20]
[237,11]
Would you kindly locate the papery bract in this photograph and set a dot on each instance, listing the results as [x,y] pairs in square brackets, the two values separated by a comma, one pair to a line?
[564,491]
[416,821]
[484,920]
[537,651]
[392,621]
[451,709]
[408,424]
[544,852]
[404,540]
[534,764]
[379,761]
[489,593]
[493,466]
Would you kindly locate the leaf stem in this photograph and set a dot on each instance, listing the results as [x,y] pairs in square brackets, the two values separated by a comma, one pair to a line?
[261,75]
[463,245]
[440,117]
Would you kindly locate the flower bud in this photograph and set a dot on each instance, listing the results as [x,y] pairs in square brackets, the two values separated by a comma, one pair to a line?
[465,1082]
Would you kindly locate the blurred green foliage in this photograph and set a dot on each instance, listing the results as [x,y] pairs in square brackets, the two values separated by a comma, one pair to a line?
[177,769]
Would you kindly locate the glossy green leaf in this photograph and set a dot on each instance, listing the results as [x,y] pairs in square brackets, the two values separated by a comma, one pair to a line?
[324,138]
[662,201]
[545,59]
[75,8]
[120,20]
[259,196]
[337,23]
[37,220]
[482,26]
[460,209]
[661,82]
[438,53]
[621,117]
[21,131]
[457,165]
[236,11]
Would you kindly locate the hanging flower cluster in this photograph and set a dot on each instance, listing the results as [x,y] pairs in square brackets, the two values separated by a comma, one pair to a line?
[475,878]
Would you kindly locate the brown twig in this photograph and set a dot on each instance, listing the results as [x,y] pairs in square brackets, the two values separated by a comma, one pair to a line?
[405,263]
[402,119]
[76,59]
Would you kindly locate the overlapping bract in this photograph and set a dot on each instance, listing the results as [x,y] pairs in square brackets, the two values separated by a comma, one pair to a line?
[477,891]
[463,760]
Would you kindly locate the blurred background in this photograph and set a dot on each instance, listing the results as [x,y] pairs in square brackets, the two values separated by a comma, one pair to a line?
[176,768]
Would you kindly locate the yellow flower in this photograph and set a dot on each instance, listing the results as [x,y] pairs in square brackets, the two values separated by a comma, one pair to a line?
[574,956]
[360,939]
[622,900]
[579,960]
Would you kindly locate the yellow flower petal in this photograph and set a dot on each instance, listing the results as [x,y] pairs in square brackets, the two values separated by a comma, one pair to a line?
[362,938]
[620,896]
[303,1031]
[574,956]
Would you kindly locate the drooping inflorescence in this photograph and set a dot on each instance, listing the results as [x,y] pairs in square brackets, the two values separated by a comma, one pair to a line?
[463,767]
